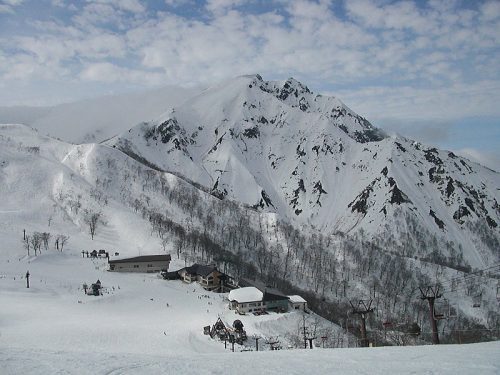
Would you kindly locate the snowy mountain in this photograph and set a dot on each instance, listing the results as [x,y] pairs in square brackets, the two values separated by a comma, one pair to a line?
[278,147]
[264,179]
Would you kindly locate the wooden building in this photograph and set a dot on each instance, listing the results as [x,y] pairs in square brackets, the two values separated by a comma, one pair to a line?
[274,300]
[254,296]
[207,276]
[246,300]
[297,303]
[254,300]
[145,263]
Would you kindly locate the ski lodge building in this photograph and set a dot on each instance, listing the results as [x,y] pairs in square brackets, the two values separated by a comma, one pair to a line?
[256,297]
[145,263]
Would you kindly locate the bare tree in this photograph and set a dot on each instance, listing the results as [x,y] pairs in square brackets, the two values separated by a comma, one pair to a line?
[36,241]
[45,238]
[74,205]
[92,219]
[164,242]
[61,240]
[185,256]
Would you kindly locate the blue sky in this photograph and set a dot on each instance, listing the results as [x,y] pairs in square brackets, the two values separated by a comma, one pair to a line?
[427,69]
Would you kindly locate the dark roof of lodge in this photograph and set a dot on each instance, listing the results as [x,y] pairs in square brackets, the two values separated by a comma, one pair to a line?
[172,275]
[143,258]
[200,269]
[270,296]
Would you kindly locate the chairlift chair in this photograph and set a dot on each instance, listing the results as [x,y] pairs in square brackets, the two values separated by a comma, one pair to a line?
[387,323]
[476,300]
[441,309]
[453,310]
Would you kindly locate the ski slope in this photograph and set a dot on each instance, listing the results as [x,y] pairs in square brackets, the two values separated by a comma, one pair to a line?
[446,359]
[145,325]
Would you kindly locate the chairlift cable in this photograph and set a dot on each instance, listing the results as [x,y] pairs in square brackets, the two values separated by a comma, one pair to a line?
[477,273]
[472,278]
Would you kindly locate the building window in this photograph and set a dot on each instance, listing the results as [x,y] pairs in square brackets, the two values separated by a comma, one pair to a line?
[136,266]
[150,265]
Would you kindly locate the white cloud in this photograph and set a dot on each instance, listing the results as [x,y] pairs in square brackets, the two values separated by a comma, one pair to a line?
[400,59]
[133,6]
[408,103]
[488,159]
[490,10]
[5,9]
[219,7]
[176,3]
[107,72]
[7,6]
[13,2]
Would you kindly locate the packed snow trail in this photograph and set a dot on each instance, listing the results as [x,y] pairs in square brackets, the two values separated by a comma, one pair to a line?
[446,359]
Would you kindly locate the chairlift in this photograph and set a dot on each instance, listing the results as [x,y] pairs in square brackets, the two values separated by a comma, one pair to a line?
[452,310]
[387,323]
[438,315]
[476,300]
[441,309]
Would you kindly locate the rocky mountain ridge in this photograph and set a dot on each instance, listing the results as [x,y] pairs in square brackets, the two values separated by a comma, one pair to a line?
[280,148]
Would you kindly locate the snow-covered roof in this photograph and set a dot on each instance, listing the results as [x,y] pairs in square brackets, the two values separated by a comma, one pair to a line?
[297,299]
[242,295]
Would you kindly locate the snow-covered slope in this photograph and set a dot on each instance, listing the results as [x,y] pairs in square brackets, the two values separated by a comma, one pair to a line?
[446,359]
[47,186]
[138,313]
[279,147]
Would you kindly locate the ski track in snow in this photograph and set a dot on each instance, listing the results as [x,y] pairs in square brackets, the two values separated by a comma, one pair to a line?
[447,359]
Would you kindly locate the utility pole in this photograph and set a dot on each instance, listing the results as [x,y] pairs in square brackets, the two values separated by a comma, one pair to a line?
[304,330]
[232,340]
[257,338]
[362,308]
[308,336]
[430,293]
[347,327]
[27,279]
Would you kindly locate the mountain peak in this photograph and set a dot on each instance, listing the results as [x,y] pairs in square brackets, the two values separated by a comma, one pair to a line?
[295,84]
